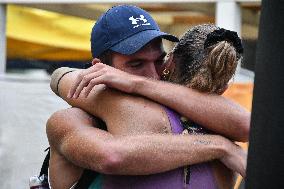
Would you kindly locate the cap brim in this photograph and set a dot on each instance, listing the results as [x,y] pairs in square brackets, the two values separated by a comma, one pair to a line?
[135,42]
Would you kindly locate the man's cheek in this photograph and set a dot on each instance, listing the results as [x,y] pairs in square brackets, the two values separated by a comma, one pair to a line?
[160,69]
[133,71]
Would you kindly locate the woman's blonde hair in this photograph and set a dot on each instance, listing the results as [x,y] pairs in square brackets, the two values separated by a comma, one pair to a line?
[206,58]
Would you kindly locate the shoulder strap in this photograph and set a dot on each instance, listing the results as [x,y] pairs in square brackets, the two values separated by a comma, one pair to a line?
[83,183]
[88,175]
[45,164]
[86,179]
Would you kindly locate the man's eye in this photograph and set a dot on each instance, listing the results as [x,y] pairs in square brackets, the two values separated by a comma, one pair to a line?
[136,64]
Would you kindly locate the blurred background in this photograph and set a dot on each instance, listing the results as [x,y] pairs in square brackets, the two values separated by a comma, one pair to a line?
[36,38]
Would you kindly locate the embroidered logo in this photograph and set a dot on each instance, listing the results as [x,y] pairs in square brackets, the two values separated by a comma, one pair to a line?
[140,21]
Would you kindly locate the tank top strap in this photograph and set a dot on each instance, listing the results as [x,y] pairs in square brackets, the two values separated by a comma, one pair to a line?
[174,119]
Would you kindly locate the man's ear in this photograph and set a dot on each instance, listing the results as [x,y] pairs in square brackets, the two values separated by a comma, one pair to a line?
[95,60]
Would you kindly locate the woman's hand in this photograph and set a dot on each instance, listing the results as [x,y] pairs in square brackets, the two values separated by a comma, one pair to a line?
[101,73]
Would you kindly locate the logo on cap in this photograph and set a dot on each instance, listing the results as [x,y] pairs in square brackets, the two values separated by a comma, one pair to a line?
[140,21]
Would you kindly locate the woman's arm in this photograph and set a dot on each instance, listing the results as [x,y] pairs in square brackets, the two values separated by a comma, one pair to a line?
[214,112]
[211,111]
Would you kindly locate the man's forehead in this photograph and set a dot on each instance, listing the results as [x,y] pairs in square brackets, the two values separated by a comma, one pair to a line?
[152,50]
[153,47]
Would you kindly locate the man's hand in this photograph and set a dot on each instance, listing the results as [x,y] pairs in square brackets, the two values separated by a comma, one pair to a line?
[236,159]
[101,73]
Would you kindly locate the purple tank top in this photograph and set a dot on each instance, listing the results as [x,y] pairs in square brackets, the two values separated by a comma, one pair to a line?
[201,175]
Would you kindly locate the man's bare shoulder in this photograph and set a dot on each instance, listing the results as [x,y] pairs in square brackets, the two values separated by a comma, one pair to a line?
[71,113]
[66,123]
[67,120]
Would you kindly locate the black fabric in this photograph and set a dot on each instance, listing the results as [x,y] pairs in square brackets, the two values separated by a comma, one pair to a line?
[224,35]
[86,179]
[45,164]
[83,183]
[266,150]
[99,123]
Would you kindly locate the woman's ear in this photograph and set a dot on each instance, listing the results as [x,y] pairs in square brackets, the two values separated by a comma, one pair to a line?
[169,61]
[168,67]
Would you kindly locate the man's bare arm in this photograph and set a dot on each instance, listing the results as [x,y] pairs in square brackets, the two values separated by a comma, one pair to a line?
[72,134]
[150,148]
[211,111]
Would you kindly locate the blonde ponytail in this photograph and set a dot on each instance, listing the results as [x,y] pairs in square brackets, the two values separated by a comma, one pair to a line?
[207,64]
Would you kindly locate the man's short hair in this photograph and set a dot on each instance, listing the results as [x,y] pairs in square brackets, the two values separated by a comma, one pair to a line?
[106,57]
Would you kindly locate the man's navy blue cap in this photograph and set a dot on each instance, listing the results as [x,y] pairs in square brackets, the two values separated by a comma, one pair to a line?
[125,29]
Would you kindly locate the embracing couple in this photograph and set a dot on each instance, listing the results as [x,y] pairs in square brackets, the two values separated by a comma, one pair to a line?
[136,131]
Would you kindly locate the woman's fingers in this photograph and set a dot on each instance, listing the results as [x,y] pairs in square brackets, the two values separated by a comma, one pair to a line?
[86,80]
[77,86]
[99,73]
[92,84]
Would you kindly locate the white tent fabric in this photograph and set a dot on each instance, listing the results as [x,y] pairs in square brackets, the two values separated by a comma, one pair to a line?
[25,105]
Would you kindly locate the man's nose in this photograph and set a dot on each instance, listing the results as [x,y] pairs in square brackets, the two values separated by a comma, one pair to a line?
[151,71]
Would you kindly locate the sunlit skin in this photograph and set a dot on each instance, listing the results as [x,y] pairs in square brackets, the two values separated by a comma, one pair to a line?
[147,62]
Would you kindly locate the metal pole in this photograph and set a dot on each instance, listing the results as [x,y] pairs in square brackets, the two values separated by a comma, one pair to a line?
[228,15]
[2,38]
